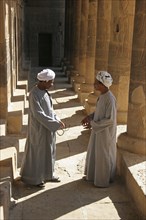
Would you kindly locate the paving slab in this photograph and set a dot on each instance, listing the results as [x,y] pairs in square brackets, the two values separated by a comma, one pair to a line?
[72,198]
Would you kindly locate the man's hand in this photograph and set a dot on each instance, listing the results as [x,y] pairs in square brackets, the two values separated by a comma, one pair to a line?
[62,125]
[86,122]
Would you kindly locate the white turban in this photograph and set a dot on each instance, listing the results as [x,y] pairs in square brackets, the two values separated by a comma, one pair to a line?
[105,78]
[46,75]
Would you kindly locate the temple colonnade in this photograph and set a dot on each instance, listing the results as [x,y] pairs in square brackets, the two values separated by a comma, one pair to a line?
[99,35]
[113,34]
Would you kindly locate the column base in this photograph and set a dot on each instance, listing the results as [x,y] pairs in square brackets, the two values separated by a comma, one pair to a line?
[131,144]
[82,96]
[73,75]
[77,80]
[89,107]
[122,117]
[87,88]
[84,91]
[90,103]
[76,86]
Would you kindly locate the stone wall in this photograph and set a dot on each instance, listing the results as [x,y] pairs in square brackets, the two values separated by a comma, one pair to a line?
[43,16]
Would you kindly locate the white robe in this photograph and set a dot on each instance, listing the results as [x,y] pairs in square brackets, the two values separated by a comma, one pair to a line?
[101,153]
[40,149]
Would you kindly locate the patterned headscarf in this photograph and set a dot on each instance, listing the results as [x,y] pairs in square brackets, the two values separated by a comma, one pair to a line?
[46,75]
[105,78]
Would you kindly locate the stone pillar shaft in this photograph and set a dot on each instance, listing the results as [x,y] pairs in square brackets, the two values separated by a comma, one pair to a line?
[83,37]
[120,47]
[103,34]
[76,33]
[80,77]
[67,29]
[91,42]
[136,125]
[13,47]
[134,140]
[87,87]
[4,59]
[102,46]
[70,28]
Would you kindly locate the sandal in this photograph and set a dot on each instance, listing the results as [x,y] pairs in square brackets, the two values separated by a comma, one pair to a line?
[41,185]
[54,179]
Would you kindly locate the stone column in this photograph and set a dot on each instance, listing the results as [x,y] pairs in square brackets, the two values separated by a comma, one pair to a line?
[19,6]
[4,59]
[120,48]
[75,37]
[87,87]
[102,46]
[80,78]
[13,45]
[67,30]
[68,40]
[75,32]
[134,140]
[103,34]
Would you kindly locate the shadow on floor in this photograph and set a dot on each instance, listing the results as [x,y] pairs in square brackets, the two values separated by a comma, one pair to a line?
[77,198]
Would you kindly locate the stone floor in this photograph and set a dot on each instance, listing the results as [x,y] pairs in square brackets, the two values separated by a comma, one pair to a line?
[72,198]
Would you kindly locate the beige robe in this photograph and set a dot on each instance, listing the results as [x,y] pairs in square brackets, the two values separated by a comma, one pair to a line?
[101,153]
[40,149]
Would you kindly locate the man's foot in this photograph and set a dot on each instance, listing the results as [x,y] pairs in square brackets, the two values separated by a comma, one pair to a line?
[84,178]
[41,185]
[54,179]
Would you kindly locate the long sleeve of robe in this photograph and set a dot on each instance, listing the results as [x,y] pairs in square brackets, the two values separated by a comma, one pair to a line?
[101,153]
[40,149]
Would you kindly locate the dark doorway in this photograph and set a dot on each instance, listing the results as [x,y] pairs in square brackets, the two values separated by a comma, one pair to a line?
[45,49]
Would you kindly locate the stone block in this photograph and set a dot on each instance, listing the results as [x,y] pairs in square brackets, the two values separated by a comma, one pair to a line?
[5,197]
[132,168]
[132,144]
[8,159]
[14,122]
[15,117]
[11,152]
[89,107]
